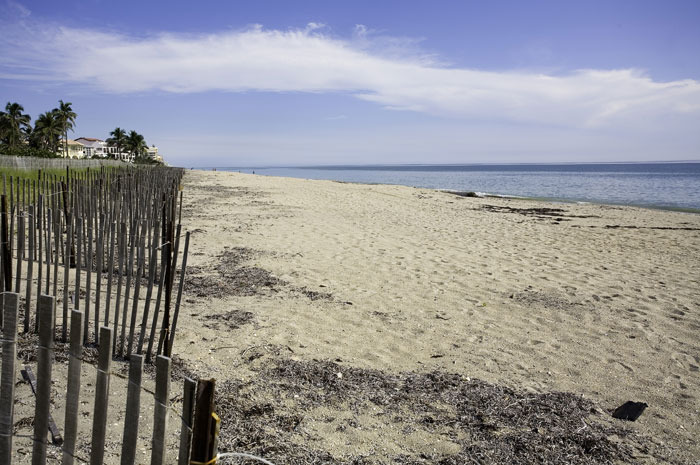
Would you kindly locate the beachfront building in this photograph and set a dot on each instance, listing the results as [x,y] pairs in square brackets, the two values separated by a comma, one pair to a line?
[75,149]
[93,146]
[123,156]
[152,153]
[88,147]
[98,147]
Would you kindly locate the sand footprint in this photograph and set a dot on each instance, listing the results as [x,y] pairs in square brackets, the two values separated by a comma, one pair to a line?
[686,361]
[625,366]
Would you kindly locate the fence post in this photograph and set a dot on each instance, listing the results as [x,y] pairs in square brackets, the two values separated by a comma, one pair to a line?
[6,248]
[133,405]
[99,420]
[6,253]
[58,247]
[40,241]
[110,273]
[149,292]
[187,417]
[30,269]
[66,262]
[78,261]
[133,245]
[88,289]
[20,253]
[73,390]
[141,260]
[179,292]
[203,432]
[43,390]
[160,410]
[122,260]
[9,373]
[98,281]
[154,325]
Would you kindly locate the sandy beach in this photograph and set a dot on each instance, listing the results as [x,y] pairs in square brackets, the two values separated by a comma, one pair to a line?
[599,301]
[350,323]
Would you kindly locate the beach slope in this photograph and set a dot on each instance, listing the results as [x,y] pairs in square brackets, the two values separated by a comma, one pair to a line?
[315,302]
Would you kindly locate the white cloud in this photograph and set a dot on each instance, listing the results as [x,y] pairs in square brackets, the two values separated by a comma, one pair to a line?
[389,72]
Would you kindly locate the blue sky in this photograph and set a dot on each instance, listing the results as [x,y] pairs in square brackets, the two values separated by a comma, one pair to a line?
[329,82]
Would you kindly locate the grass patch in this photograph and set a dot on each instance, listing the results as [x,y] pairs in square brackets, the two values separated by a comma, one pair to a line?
[11,176]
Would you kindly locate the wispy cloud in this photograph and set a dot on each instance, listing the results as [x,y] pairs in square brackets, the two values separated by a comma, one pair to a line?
[393,73]
[16,9]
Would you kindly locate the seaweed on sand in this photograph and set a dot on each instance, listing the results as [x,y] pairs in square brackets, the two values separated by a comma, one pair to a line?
[232,278]
[488,423]
[541,212]
[233,319]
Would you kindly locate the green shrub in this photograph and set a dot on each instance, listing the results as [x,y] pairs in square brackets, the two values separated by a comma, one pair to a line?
[26,151]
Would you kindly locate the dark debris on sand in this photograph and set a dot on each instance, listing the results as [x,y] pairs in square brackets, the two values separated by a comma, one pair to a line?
[179,370]
[233,319]
[28,343]
[231,277]
[548,299]
[315,295]
[489,423]
[541,212]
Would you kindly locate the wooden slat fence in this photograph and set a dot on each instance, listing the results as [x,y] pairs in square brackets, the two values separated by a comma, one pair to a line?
[100,225]
[34,163]
[94,226]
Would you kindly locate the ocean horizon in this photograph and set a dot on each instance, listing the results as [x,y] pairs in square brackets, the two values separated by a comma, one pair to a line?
[665,185]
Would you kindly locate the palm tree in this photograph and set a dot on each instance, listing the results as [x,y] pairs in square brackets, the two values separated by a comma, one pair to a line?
[117,140]
[47,131]
[66,117]
[136,144]
[4,128]
[13,124]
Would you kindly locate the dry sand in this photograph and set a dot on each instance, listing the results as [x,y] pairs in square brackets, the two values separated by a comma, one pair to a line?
[601,301]
[350,323]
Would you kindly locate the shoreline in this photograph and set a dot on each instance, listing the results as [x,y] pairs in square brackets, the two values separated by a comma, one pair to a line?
[563,200]
[558,199]
[566,201]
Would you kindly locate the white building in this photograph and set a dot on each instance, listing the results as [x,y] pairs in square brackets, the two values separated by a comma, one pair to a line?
[93,146]
[88,147]
[152,153]
[75,149]
[98,147]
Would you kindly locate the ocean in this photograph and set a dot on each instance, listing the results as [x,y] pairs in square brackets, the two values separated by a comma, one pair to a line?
[673,186]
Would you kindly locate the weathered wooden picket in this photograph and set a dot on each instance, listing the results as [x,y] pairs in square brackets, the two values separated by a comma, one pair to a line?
[97,225]
[34,163]
[93,226]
